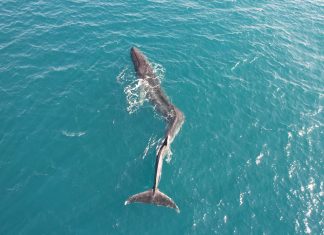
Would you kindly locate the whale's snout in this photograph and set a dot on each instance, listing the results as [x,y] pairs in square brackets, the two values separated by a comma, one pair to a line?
[134,51]
[138,58]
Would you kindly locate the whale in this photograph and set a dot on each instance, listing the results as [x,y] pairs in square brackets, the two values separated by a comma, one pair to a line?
[174,119]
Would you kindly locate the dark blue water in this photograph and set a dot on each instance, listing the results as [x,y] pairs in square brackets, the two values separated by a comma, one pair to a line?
[77,138]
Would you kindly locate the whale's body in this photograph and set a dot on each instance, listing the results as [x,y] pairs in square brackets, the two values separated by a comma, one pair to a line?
[174,118]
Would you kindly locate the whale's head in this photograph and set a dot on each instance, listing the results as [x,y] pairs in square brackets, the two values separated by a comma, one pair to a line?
[140,62]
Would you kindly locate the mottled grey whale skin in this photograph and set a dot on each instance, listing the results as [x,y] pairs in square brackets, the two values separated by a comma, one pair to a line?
[174,118]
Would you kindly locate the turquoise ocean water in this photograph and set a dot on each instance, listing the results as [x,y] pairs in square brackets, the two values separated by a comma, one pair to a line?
[77,139]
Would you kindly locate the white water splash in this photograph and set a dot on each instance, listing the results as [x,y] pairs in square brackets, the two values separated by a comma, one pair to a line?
[225,219]
[307,228]
[259,158]
[135,88]
[135,95]
[292,169]
[168,156]
[151,143]
[121,76]
[311,186]
[159,71]
[241,199]
[73,134]
[288,146]
[263,152]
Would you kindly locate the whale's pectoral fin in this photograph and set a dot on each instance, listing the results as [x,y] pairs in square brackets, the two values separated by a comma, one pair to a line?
[158,198]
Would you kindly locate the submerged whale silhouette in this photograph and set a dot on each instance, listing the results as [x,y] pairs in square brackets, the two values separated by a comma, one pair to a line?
[174,118]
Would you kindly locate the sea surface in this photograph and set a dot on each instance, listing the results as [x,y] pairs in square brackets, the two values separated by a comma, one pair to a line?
[78,137]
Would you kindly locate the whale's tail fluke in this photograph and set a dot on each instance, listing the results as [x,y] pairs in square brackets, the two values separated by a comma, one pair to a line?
[150,197]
